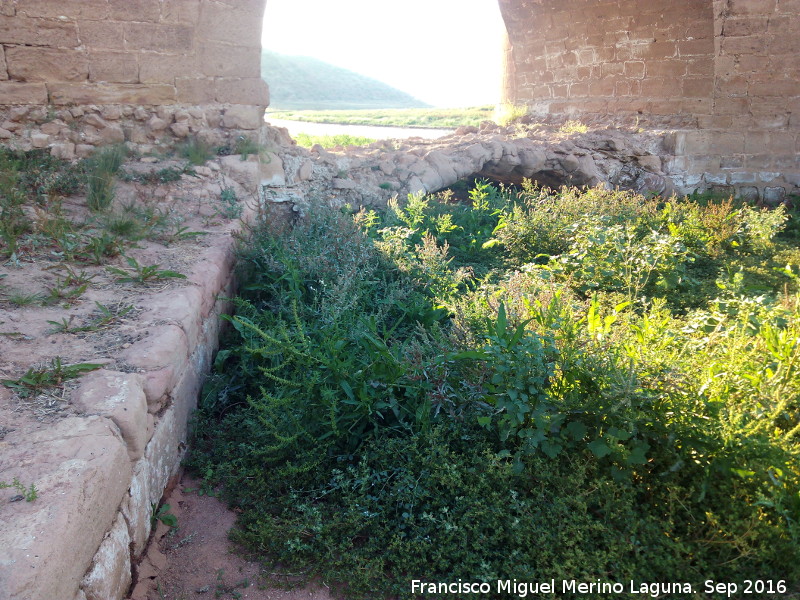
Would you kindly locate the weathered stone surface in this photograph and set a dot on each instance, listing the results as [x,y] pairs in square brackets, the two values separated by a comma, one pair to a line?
[81,469]
[55,33]
[246,173]
[136,508]
[166,346]
[110,575]
[14,92]
[114,67]
[272,172]
[243,117]
[31,63]
[119,397]
[99,93]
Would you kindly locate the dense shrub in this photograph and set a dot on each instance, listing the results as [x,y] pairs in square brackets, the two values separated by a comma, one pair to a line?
[529,386]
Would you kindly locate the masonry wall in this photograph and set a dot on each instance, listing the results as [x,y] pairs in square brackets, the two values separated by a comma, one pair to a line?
[125,53]
[722,75]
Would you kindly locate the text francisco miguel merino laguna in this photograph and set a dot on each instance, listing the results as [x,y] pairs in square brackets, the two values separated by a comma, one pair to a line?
[521,589]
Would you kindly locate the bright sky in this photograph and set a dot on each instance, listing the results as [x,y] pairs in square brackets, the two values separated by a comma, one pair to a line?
[444,52]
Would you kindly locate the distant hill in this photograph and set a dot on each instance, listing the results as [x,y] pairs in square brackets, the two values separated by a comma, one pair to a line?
[300,82]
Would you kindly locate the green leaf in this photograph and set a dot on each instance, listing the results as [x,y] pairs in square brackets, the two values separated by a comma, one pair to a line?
[618,433]
[576,430]
[638,455]
[599,448]
[502,321]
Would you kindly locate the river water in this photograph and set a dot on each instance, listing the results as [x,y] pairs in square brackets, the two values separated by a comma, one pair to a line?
[369,131]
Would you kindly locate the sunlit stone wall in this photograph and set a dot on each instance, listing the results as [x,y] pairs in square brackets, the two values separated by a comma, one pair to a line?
[723,74]
[87,72]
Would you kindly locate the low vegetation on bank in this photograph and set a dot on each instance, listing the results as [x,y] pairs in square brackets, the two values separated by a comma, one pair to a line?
[578,385]
[435,118]
[331,141]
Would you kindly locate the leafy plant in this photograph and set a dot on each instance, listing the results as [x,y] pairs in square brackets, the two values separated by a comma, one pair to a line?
[161,513]
[40,379]
[141,274]
[230,208]
[29,494]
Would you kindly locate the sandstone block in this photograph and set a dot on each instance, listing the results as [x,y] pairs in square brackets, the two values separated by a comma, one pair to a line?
[179,307]
[306,169]
[95,9]
[243,117]
[272,172]
[773,196]
[195,90]
[157,385]
[14,92]
[155,124]
[27,31]
[40,140]
[160,37]
[113,134]
[246,173]
[748,193]
[252,91]
[181,11]
[110,574]
[166,346]
[135,10]
[100,93]
[3,69]
[84,150]
[180,130]
[164,453]
[81,469]
[231,24]
[164,68]
[224,60]
[136,508]
[120,397]
[101,35]
[112,113]
[65,151]
[113,67]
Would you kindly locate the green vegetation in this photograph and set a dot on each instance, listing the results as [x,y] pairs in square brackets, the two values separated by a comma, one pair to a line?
[141,274]
[300,82]
[196,151]
[29,494]
[445,118]
[102,170]
[331,141]
[42,379]
[508,113]
[570,385]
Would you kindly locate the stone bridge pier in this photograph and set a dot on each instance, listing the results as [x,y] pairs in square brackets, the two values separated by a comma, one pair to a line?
[681,94]
[722,75]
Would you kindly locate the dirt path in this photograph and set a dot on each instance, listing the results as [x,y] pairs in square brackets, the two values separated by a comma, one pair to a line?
[195,561]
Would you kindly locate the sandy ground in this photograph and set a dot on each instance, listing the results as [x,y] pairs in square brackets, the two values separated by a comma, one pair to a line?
[196,561]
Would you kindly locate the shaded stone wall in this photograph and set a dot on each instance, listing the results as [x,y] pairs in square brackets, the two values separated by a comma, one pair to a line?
[128,53]
[633,57]
[722,75]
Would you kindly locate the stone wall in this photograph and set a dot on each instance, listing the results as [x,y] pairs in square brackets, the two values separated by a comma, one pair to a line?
[124,53]
[722,75]
[635,57]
